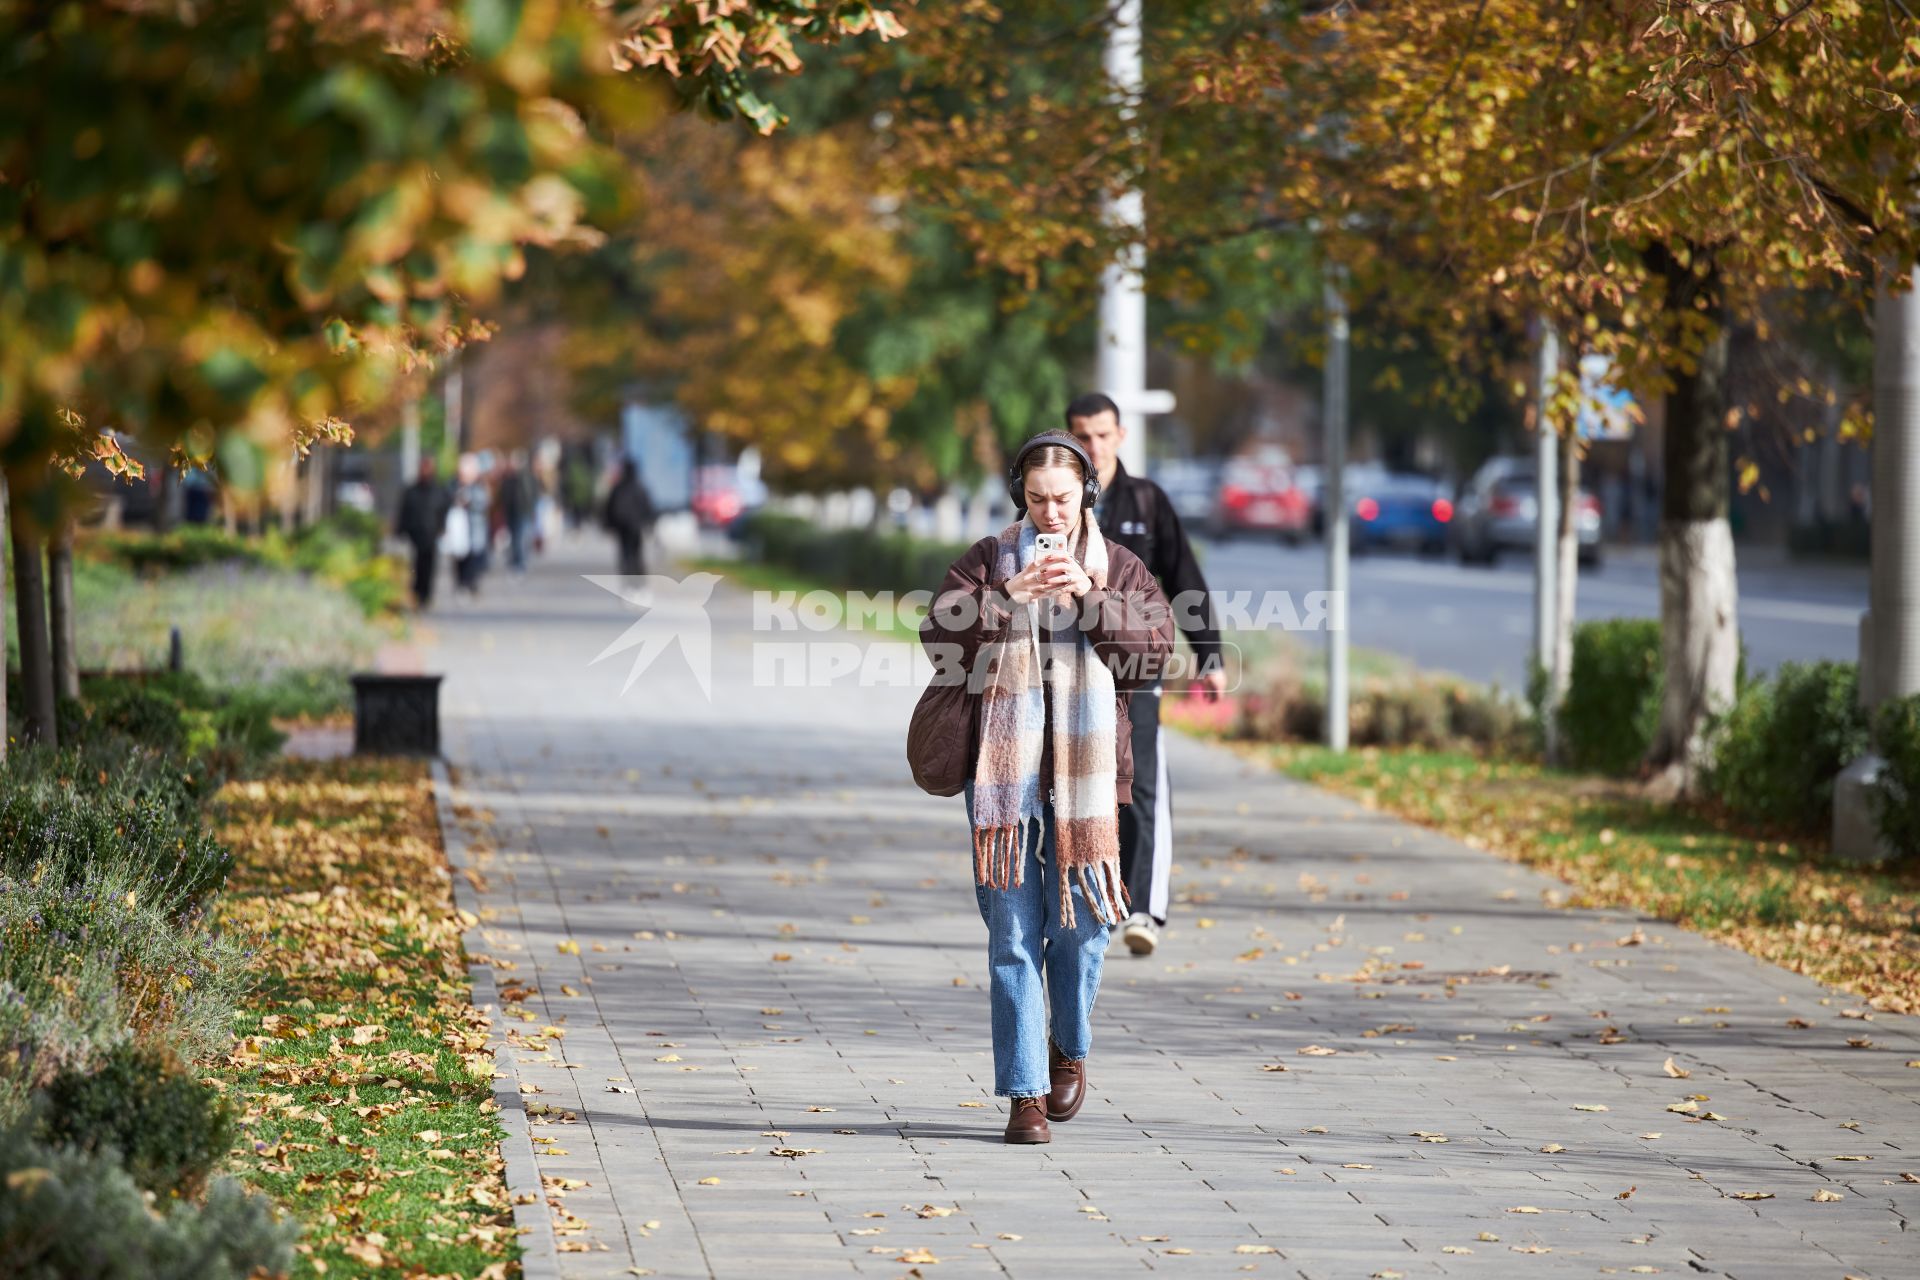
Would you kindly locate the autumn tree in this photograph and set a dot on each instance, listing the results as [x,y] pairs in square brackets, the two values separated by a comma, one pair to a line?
[1639,174]
[784,293]
[728,290]
[230,225]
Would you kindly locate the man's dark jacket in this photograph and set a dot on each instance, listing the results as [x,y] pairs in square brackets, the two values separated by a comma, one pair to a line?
[1136,513]
[423,513]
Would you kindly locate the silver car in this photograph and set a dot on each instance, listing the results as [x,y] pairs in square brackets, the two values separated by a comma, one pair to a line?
[1189,484]
[1499,510]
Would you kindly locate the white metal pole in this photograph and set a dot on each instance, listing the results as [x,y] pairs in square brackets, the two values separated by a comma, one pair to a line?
[1335,504]
[1546,501]
[1121,367]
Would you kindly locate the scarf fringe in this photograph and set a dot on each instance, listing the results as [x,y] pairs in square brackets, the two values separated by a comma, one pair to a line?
[1104,889]
[1000,853]
[1008,726]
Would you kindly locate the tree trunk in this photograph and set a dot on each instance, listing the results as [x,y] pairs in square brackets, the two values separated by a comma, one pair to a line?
[166,486]
[1565,584]
[316,495]
[66,656]
[36,654]
[1699,635]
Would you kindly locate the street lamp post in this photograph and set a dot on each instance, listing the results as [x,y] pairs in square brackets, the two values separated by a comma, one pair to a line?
[1121,366]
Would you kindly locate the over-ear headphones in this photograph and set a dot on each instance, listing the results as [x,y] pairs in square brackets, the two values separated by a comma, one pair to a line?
[1016,480]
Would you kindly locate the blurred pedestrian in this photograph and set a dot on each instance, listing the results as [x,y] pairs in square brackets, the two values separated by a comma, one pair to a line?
[470,505]
[628,516]
[517,497]
[422,519]
[1049,642]
[576,485]
[1137,514]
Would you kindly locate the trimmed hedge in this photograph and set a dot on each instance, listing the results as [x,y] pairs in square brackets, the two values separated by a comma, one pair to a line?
[1776,751]
[1897,799]
[167,1130]
[1612,705]
[66,837]
[1429,712]
[107,871]
[218,734]
[344,549]
[67,1214]
[856,559]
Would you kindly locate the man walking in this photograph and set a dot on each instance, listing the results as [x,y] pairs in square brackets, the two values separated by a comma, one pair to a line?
[629,514]
[423,516]
[1136,513]
[517,496]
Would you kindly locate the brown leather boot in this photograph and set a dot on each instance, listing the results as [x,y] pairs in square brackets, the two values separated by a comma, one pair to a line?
[1069,1084]
[1027,1121]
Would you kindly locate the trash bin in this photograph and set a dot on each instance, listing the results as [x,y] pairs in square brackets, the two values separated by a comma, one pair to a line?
[396,715]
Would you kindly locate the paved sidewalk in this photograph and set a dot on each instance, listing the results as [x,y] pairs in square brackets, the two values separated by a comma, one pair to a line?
[758,937]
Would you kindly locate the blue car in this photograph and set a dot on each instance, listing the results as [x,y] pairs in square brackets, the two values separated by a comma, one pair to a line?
[1399,510]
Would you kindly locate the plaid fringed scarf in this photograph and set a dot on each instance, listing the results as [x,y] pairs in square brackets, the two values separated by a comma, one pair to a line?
[1007,813]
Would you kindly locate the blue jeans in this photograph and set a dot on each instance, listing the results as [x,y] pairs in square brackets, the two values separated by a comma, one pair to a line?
[1024,940]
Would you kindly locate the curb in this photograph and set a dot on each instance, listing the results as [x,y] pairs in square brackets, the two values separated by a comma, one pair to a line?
[540,1253]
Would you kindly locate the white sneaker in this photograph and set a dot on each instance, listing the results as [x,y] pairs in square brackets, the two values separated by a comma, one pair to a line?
[1140,934]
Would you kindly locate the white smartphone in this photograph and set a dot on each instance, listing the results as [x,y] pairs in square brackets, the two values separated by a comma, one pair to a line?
[1047,543]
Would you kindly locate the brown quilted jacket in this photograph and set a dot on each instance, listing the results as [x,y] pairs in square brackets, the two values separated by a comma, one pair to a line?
[1131,628]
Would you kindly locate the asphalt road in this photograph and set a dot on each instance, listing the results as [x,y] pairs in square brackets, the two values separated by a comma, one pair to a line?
[1478,622]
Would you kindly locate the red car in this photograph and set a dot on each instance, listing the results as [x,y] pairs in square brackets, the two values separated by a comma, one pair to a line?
[717,500]
[1258,495]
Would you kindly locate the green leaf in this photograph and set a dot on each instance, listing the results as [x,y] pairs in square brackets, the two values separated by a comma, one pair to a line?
[492,25]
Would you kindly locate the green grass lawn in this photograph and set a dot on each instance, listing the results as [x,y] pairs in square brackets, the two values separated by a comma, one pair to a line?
[361,1070]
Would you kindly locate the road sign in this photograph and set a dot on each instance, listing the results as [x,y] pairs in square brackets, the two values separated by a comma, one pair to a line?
[1143,401]
[1606,412]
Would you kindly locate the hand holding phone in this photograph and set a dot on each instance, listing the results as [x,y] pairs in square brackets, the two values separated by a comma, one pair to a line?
[1061,575]
[1032,582]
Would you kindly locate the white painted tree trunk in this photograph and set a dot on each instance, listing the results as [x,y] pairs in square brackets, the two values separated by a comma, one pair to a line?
[1565,584]
[1700,643]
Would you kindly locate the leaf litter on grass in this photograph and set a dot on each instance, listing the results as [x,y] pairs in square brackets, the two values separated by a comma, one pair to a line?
[360,1067]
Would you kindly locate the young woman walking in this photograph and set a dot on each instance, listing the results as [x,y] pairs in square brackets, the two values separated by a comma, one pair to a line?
[1055,627]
